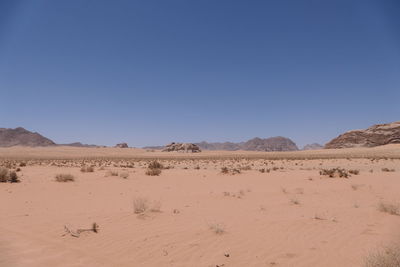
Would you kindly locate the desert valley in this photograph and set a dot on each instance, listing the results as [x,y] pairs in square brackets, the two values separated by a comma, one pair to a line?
[113,206]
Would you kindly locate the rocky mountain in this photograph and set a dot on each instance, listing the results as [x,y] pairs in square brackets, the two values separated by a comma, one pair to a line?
[21,137]
[377,135]
[313,146]
[278,143]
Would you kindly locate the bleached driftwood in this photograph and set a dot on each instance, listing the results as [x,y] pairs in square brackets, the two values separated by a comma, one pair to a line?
[77,232]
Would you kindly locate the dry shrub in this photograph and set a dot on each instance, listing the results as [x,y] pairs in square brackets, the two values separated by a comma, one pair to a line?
[65,178]
[225,170]
[87,169]
[393,209]
[217,228]
[111,173]
[155,165]
[154,168]
[335,172]
[388,170]
[153,172]
[388,257]
[124,175]
[294,201]
[8,176]
[140,205]
[355,172]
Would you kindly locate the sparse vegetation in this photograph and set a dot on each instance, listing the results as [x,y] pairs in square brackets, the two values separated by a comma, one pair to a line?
[217,228]
[335,172]
[124,175]
[65,178]
[140,205]
[111,173]
[355,172]
[153,172]
[387,257]
[388,170]
[8,176]
[294,201]
[87,169]
[154,168]
[391,208]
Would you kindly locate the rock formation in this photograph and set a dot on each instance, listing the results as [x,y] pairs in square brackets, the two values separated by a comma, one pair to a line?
[186,147]
[377,135]
[278,143]
[122,145]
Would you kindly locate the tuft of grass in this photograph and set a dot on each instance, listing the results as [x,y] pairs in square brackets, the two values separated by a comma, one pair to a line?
[393,209]
[217,228]
[87,169]
[65,178]
[387,257]
[140,205]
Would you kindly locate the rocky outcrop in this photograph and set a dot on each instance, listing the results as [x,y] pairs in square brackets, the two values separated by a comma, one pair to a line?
[122,145]
[377,135]
[21,137]
[313,146]
[186,147]
[278,143]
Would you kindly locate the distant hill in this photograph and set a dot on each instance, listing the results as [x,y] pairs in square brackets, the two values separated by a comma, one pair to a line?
[376,135]
[21,137]
[78,144]
[313,146]
[278,143]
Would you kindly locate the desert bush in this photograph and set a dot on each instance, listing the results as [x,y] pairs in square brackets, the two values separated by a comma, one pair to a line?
[140,205]
[217,228]
[153,172]
[124,175]
[87,169]
[65,178]
[335,172]
[355,172]
[13,177]
[8,176]
[154,168]
[294,201]
[3,175]
[393,209]
[387,170]
[224,170]
[111,173]
[155,165]
[387,257]
[22,164]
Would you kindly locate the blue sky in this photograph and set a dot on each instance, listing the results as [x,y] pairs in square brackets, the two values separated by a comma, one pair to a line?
[152,72]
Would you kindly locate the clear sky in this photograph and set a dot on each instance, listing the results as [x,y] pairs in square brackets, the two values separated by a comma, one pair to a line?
[151,72]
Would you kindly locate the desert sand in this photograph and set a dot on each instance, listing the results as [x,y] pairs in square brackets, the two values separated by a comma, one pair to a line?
[278,211]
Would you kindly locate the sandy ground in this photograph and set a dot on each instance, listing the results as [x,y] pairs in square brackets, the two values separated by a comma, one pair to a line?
[290,216]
